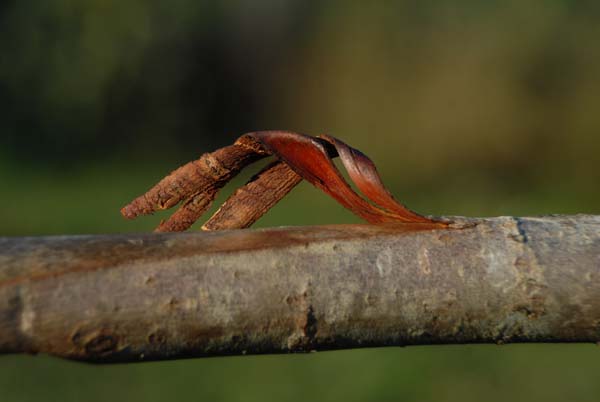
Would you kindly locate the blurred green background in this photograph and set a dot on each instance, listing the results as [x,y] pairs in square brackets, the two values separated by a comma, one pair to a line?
[471,108]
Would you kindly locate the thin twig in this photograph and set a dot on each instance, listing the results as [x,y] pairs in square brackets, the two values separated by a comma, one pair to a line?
[137,297]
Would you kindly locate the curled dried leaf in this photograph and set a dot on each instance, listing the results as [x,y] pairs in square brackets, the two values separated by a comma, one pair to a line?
[298,157]
[197,183]
[248,203]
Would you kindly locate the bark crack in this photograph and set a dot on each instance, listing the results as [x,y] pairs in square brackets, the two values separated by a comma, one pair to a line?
[521,230]
[310,328]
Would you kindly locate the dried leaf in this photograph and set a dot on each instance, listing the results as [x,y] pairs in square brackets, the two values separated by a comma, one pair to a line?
[299,157]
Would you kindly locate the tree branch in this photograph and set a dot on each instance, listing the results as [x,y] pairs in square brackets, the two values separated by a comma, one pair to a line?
[135,297]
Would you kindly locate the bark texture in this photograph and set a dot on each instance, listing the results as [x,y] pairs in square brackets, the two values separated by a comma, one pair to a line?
[136,297]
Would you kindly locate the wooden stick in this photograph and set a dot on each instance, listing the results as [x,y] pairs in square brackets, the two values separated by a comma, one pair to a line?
[136,297]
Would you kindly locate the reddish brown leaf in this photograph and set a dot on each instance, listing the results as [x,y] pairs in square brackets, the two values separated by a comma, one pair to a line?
[309,157]
[364,174]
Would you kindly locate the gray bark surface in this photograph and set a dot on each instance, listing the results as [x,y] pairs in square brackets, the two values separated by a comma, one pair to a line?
[137,297]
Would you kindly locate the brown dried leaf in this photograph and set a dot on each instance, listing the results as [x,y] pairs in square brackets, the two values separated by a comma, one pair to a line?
[299,157]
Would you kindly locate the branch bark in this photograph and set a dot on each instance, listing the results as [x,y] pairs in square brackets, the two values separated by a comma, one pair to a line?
[136,297]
